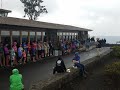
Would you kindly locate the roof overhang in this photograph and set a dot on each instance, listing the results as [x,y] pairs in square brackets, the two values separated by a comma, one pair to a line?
[38,24]
[5,11]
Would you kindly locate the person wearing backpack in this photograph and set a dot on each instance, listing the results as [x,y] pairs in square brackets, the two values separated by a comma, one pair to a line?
[60,66]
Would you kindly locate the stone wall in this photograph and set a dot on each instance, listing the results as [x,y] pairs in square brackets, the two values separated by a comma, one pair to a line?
[56,82]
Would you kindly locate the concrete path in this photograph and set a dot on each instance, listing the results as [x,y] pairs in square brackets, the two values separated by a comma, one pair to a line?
[33,72]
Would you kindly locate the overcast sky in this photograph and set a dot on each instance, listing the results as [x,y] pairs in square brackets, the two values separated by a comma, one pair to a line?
[102,16]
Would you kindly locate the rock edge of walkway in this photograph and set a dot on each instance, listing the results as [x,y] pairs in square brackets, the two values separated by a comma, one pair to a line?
[56,82]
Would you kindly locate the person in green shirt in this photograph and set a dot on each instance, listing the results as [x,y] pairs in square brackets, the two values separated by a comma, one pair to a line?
[16,80]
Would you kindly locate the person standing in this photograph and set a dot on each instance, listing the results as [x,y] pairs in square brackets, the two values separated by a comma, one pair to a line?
[50,48]
[16,80]
[98,46]
[12,57]
[7,54]
[39,50]
[20,49]
[1,55]
[45,47]
[24,56]
[28,57]
[33,52]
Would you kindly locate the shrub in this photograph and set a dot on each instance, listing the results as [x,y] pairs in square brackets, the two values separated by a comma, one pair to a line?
[112,73]
[113,69]
[116,51]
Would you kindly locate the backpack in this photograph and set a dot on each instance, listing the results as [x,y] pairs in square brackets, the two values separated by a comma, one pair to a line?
[58,63]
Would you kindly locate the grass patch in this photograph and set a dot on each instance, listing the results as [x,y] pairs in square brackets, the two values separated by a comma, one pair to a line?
[112,74]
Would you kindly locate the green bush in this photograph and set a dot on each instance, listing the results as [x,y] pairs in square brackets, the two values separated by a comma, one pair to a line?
[113,69]
[116,51]
[112,74]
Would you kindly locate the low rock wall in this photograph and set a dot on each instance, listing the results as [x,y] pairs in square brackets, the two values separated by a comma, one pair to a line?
[56,82]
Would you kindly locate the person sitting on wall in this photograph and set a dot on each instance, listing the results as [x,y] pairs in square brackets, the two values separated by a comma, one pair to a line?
[76,61]
[60,66]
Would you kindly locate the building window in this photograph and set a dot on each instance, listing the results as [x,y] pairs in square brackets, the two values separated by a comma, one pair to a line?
[5,33]
[43,33]
[39,38]
[60,33]
[32,36]
[86,32]
[24,36]
[83,32]
[5,37]
[16,36]
[73,34]
[67,33]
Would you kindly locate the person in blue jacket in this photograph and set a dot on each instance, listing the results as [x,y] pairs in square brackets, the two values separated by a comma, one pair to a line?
[76,61]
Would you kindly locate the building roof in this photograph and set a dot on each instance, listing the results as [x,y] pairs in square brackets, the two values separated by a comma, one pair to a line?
[5,11]
[38,24]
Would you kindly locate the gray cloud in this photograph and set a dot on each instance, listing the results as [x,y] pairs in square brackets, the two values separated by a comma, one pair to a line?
[102,16]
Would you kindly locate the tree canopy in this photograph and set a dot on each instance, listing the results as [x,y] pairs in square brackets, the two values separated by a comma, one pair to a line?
[33,8]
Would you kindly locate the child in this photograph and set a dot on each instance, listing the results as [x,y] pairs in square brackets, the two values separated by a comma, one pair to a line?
[12,56]
[28,56]
[24,56]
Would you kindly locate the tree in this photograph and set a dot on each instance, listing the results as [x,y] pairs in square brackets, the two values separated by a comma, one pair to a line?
[33,8]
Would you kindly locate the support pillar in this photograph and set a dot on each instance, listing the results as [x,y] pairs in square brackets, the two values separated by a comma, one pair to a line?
[36,36]
[11,41]
[20,37]
[42,36]
[62,36]
[28,36]
[0,36]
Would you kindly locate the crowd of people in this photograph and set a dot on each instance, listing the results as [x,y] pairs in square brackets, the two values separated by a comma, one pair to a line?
[101,42]
[15,54]
[23,53]
[69,46]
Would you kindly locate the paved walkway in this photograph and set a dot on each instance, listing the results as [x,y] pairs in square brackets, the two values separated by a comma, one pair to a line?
[42,70]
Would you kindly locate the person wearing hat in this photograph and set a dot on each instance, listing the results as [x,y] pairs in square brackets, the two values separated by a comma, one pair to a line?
[16,80]
[60,66]
[76,61]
